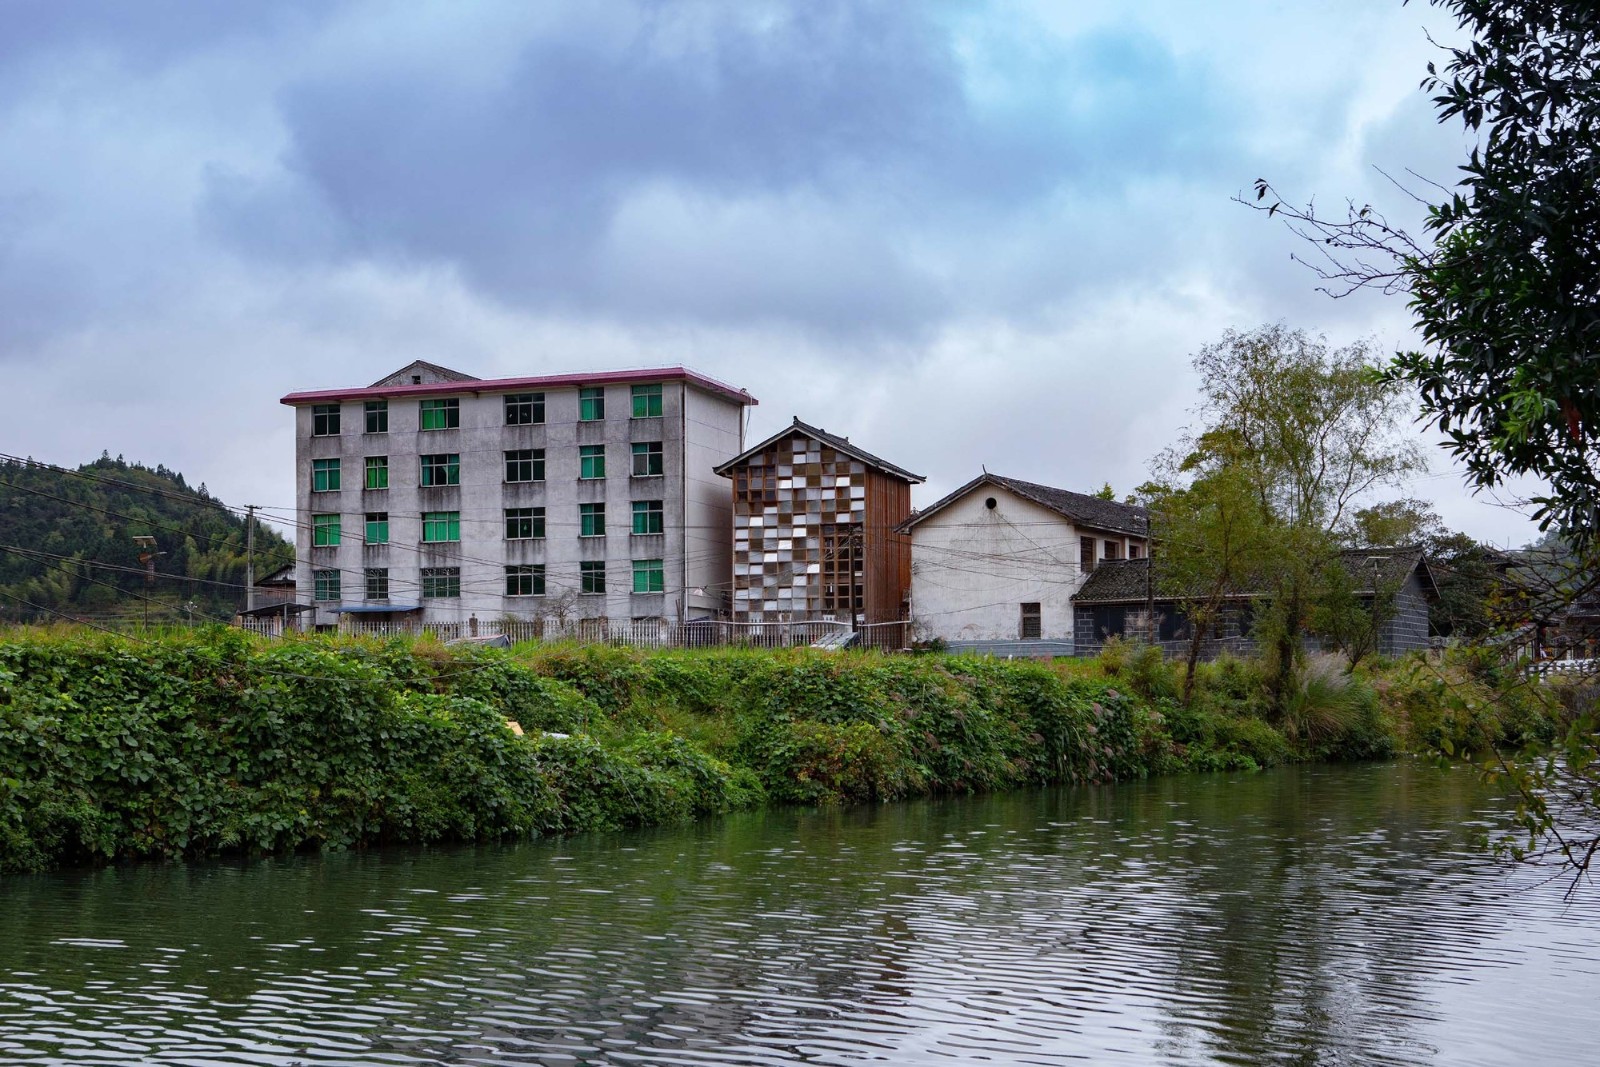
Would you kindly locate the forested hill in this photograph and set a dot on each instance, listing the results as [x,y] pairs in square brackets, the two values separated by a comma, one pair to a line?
[67,545]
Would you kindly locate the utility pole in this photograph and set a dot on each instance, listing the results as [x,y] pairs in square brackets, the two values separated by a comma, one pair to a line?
[250,557]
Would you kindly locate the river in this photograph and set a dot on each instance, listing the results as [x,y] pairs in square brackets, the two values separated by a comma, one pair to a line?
[1311,915]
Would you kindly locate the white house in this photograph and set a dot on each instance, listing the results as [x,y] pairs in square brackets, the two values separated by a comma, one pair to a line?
[994,565]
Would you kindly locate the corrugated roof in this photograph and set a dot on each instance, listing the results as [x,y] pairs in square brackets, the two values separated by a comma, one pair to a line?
[1081,508]
[514,385]
[1124,581]
[834,441]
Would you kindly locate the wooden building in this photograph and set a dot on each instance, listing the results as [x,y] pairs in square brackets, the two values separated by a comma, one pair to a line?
[814,530]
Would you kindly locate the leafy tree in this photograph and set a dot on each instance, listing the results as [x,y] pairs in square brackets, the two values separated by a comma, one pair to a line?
[1213,535]
[1505,279]
[1303,432]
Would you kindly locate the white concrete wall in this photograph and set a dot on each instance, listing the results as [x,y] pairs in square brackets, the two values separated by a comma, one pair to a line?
[972,569]
[697,431]
[713,433]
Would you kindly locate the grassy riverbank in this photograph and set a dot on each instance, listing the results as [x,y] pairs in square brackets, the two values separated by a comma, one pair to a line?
[193,744]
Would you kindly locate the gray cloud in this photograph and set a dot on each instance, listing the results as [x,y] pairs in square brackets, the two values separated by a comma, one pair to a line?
[809,166]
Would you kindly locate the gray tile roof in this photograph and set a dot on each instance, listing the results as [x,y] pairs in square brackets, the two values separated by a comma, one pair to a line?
[834,441]
[1081,508]
[1123,581]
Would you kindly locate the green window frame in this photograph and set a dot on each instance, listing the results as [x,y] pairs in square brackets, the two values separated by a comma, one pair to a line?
[325,531]
[647,401]
[647,459]
[439,527]
[524,523]
[377,528]
[377,472]
[592,576]
[649,517]
[525,465]
[591,520]
[441,468]
[377,583]
[441,414]
[649,576]
[324,476]
[441,583]
[325,585]
[525,579]
[377,413]
[524,409]
[591,462]
[591,404]
[324,420]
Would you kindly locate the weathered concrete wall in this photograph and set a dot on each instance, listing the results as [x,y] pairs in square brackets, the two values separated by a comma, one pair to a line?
[713,434]
[690,433]
[973,567]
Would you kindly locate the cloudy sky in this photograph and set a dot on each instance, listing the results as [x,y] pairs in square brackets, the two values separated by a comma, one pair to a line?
[962,234]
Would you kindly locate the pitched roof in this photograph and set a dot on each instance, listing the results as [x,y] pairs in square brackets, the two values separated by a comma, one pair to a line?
[515,385]
[833,441]
[1124,581]
[1081,508]
[444,374]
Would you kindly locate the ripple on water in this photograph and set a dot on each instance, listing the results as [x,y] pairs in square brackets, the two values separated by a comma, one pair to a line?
[1334,915]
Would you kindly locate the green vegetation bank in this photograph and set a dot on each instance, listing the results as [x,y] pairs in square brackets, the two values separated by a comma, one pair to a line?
[205,742]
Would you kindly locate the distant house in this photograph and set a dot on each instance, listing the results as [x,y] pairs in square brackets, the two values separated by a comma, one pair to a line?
[274,609]
[815,533]
[994,564]
[1117,600]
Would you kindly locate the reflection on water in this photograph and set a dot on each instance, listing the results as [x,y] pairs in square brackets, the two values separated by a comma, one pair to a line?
[1305,916]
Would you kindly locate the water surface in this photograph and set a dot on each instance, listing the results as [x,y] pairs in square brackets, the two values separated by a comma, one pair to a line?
[1324,915]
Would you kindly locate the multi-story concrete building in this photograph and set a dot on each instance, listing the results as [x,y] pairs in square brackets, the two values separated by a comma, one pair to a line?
[814,528]
[437,497]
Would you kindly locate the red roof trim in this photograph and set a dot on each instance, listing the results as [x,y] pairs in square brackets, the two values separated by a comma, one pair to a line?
[509,385]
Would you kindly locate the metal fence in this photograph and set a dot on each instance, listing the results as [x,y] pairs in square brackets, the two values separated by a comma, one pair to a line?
[649,633]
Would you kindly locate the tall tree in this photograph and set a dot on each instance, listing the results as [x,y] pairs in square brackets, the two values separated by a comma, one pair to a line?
[1505,279]
[1304,432]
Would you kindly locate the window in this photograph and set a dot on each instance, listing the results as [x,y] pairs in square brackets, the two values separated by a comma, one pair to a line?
[525,579]
[591,461]
[377,472]
[324,475]
[591,405]
[1113,550]
[646,459]
[647,401]
[524,409]
[523,523]
[648,517]
[439,414]
[377,527]
[1032,623]
[441,468]
[591,520]
[325,585]
[439,582]
[377,583]
[1085,554]
[1135,551]
[649,576]
[325,531]
[325,420]
[440,526]
[592,576]
[525,465]
[377,416]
